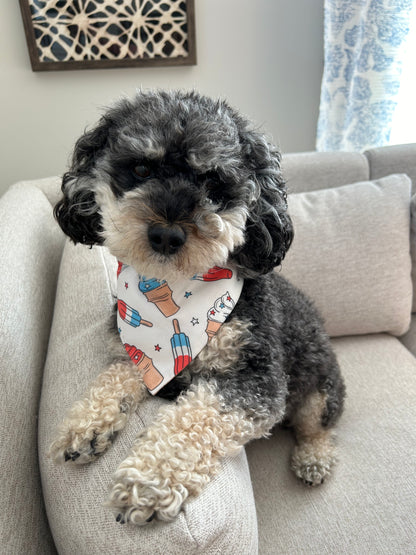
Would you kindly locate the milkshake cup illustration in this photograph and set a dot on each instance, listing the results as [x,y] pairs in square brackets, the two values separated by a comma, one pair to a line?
[181,348]
[160,294]
[151,375]
[218,313]
[131,316]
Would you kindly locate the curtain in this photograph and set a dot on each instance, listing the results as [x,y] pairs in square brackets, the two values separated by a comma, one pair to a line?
[364,44]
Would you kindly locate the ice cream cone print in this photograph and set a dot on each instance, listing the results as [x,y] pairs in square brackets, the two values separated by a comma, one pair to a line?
[159,293]
[218,313]
[151,375]
[212,328]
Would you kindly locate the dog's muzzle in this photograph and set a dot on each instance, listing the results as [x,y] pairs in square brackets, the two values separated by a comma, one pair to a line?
[166,240]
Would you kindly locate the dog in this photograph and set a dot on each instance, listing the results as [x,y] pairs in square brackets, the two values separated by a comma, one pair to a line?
[175,184]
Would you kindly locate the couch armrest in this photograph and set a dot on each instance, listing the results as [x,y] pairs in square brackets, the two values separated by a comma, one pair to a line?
[30,250]
[409,338]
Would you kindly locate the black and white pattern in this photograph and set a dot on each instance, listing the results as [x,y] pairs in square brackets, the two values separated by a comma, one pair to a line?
[93,30]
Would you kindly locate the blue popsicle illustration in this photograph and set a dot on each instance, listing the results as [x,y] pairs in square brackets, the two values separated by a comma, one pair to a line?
[131,315]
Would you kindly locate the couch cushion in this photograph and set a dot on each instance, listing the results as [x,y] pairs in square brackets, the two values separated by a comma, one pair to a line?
[310,171]
[393,159]
[368,505]
[27,291]
[50,187]
[224,514]
[351,255]
[413,246]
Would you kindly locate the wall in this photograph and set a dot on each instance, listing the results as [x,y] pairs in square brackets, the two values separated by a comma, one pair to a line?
[264,56]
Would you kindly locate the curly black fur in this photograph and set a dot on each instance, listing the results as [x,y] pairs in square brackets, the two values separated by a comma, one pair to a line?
[240,167]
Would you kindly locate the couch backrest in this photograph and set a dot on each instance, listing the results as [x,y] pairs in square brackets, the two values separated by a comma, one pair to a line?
[309,171]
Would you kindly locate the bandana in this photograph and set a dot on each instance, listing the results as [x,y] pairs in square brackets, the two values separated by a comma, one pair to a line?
[163,326]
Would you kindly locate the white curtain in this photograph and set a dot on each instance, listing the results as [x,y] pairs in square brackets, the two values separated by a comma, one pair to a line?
[364,46]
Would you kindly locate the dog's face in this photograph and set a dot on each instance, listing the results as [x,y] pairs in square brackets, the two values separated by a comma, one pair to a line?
[175,183]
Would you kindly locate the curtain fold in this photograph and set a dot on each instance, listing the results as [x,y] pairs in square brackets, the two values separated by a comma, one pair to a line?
[364,44]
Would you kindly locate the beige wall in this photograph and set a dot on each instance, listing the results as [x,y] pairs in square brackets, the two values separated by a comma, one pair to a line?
[264,56]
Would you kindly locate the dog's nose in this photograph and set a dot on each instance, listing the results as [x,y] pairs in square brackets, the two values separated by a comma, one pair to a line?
[166,240]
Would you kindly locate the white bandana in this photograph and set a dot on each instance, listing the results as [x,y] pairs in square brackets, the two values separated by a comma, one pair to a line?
[164,326]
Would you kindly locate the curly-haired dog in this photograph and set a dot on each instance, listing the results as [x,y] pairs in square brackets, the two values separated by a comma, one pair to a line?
[175,184]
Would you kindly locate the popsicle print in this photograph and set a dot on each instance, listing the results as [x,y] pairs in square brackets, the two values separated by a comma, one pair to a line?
[214,274]
[181,348]
[131,316]
[119,268]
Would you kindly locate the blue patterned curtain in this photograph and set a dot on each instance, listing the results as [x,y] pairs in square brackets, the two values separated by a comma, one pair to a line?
[363,44]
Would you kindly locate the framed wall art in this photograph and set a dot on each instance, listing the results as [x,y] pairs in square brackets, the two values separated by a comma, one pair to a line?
[87,34]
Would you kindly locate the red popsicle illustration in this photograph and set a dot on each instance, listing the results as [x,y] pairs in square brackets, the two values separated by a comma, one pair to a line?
[151,375]
[181,348]
[214,274]
[131,316]
[119,268]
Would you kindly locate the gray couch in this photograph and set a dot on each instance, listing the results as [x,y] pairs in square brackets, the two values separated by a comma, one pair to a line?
[351,254]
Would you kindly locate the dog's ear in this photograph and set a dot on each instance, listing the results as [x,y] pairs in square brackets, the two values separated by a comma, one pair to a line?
[77,212]
[269,230]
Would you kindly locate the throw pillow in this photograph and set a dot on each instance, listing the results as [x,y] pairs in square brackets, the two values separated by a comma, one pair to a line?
[351,255]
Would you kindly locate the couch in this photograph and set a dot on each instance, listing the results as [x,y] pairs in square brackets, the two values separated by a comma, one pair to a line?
[354,252]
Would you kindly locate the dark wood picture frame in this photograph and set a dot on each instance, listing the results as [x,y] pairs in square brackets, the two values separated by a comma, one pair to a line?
[109,34]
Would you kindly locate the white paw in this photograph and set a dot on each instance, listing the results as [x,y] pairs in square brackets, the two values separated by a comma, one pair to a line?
[139,497]
[81,441]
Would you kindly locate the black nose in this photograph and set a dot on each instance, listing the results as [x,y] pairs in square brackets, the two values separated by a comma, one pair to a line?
[166,240]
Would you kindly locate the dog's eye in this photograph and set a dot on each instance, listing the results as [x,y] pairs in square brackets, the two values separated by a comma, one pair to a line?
[216,193]
[142,171]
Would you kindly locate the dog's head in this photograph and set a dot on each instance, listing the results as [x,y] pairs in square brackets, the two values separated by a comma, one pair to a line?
[177,183]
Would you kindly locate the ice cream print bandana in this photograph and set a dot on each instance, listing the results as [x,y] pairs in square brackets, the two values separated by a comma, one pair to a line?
[163,326]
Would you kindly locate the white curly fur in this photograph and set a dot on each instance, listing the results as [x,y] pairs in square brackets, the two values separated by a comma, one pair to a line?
[93,421]
[178,455]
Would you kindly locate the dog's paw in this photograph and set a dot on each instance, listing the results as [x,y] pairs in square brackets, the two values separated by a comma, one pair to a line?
[80,443]
[312,468]
[139,498]
[312,475]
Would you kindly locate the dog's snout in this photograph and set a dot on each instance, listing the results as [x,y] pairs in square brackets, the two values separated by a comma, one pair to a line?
[166,240]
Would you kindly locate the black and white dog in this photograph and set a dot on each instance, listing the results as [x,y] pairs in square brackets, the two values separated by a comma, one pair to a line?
[175,184]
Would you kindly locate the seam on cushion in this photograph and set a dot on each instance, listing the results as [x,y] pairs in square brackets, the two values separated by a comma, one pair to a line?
[24,185]
[112,294]
[370,160]
[197,546]
[217,542]
[366,163]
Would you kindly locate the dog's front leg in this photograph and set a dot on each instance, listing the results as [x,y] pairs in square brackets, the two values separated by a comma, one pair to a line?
[93,421]
[178,454]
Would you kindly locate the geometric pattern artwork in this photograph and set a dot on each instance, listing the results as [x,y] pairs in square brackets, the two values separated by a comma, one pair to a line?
[67,34]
